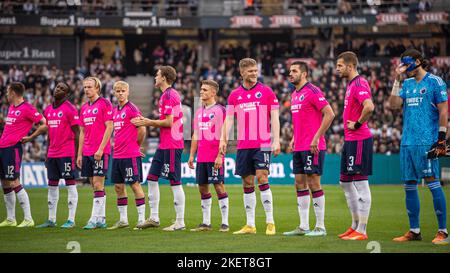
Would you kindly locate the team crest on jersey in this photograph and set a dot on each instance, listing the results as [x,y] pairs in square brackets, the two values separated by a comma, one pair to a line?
[211,116]
[422,91]
[17,113]
[95,111]
[302,97]
[123,115]
[60,114]
[258,95]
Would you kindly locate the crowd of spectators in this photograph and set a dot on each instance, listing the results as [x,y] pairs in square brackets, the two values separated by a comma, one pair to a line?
[101,7]
[190,7]
[386,124]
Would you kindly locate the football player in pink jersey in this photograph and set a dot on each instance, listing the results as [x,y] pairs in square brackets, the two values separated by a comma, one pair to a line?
[96,126]
[21,117]
[311,118]
[256,108]
[166,162]
[208,123]
[63,132]
[127,162]
[356,159]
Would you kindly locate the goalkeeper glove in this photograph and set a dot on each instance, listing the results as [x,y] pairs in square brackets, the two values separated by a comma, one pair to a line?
[439,148]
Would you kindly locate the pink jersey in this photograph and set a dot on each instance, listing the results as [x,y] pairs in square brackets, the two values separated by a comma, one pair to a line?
[18,123]
[358,90]
[306,107]
[93,117]
[252,109]
[60,121]
[170,104]
[208,125]
[126,143]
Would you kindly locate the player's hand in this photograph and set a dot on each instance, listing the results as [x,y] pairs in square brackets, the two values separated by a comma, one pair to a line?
[26,139]
[218,163]
[439,148]
[223,148]
[400,70]
[291,145]
[351,125]
[98,155]
[79,161]
[191,162]
[314,147]
[276,148]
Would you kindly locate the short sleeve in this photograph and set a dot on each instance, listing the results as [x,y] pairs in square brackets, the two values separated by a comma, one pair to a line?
[169,102]
[74,119]
[81,118]
[319,101]
[195,121]
[45,114]
[33,114]
[272,100]
[402,92]
[133,112]
[361,94]
[231,105]
[108,111]
[439,91]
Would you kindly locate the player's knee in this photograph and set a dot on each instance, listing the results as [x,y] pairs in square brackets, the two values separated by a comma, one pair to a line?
[262,178]
[136,187]
[119,188]
[313,182]
[220,188]
[249,181]
[203,189]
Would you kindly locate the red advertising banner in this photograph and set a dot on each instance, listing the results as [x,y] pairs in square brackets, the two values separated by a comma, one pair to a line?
[250,21]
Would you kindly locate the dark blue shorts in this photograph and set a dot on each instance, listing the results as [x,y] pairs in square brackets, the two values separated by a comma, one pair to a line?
[206,174]
[91,167]
[126,170]
[357,157]
[10,161]
[305,162]
[250,160]
[166,164]
[60,168]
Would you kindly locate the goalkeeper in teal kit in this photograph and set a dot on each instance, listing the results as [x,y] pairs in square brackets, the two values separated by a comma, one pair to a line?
[423,97]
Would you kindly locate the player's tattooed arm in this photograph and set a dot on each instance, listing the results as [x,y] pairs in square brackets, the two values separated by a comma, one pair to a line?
[42,129]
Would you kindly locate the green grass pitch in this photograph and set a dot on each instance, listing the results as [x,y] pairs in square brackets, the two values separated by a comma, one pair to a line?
[388,219]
